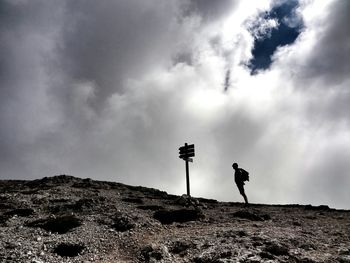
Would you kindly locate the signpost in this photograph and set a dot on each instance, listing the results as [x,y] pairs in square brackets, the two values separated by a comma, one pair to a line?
[186,152]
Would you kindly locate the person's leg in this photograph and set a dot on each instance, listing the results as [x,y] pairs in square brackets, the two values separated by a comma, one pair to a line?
[241,191]
[245,198]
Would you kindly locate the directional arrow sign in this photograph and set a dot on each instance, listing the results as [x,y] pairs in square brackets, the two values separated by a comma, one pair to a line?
[187,155]
[186,148]
[185,152]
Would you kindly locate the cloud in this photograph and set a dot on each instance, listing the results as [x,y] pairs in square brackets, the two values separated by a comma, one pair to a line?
[330,57]
[317,74]
[212,11]
[276,28]
[110,90]
[109,43]
[327,166]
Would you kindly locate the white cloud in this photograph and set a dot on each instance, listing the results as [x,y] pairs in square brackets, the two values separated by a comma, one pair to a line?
[119,87]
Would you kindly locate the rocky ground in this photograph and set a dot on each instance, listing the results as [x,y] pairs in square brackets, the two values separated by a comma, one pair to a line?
[68,219]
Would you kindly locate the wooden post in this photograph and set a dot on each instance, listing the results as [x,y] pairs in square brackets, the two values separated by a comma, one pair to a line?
[186,152]
[187,179]
[187,176]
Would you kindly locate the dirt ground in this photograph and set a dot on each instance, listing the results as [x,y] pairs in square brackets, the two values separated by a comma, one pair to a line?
[68,219]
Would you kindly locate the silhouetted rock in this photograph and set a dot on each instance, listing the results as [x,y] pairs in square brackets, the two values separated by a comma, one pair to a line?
[49,182]
[187,201]
[208,201]
[179,216]
[317,208]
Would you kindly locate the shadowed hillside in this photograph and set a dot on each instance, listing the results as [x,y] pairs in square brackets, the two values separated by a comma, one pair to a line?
[68,219]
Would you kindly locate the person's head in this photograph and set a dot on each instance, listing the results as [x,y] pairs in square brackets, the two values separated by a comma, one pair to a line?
[234,165]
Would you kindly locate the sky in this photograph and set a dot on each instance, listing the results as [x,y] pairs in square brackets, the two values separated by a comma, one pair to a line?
[110,90]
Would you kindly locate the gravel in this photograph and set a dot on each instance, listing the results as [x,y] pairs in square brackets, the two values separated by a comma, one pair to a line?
[68,219]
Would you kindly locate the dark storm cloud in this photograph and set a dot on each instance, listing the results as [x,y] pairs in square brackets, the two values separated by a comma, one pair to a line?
[16,22]
[111,41]
[26,30]
[212,10]
[324,72]
[331,55]
[60,62]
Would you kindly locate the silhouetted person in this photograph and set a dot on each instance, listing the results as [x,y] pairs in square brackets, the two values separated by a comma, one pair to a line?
[241,175]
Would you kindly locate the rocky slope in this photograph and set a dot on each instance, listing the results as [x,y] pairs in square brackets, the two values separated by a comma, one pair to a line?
[68,219]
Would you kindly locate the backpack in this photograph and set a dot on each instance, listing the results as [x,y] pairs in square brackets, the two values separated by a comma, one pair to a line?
[244,175]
